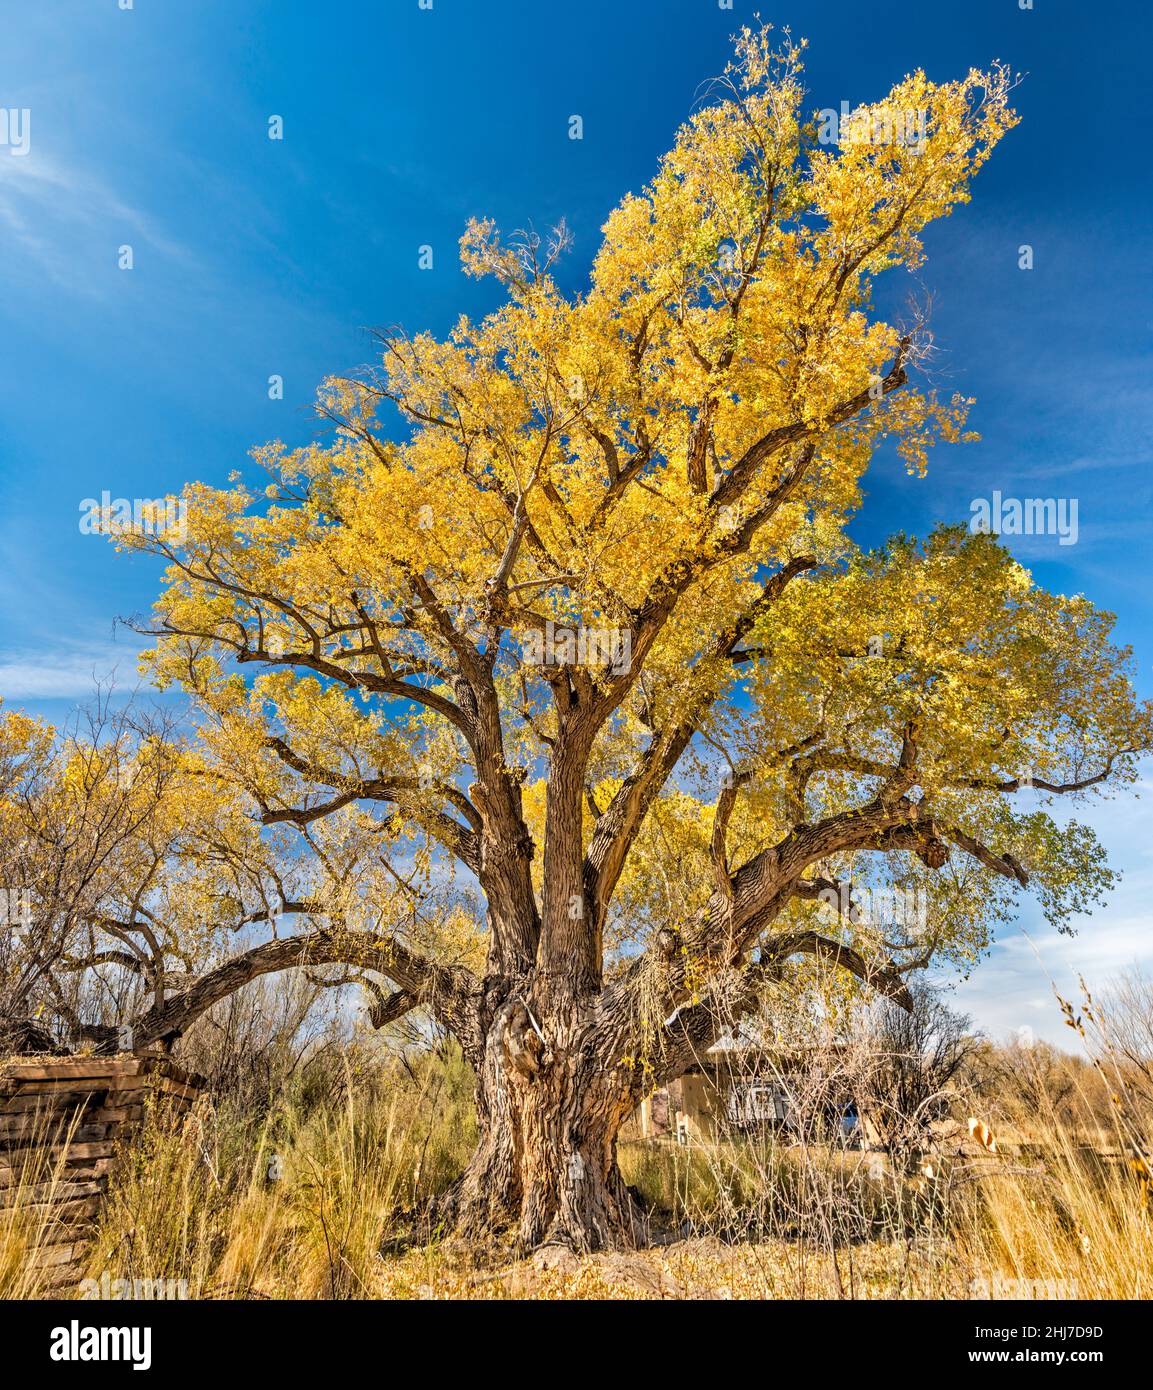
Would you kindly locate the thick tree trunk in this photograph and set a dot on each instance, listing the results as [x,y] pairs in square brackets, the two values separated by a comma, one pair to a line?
[545,1169]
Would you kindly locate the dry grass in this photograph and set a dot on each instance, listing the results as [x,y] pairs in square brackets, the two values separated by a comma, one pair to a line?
[296,1199]
[297,1204]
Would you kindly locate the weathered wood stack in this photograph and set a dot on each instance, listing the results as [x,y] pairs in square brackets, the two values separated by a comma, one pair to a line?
[63,1121]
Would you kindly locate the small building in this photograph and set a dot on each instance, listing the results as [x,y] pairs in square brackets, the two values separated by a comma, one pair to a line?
[741,1086]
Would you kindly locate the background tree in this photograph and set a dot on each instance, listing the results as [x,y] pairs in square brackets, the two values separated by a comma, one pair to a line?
[130,866]
[586,640]
[89,821]
[918,1055]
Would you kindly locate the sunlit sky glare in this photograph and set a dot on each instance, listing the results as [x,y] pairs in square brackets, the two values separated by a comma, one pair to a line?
[253,257]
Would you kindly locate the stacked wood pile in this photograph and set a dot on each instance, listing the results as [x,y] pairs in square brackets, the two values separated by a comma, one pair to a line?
[63,1121]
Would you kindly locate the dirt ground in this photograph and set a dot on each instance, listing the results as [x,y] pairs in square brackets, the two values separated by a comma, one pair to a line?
[686,1269]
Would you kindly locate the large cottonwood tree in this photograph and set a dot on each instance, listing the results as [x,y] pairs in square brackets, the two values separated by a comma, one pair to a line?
[588,632]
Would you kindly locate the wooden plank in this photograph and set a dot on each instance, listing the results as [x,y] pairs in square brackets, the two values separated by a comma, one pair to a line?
[102,1149]
[125,1064]
[52,1103]
[14,1133]
[77,1165]
[52,1191]
[56,1129]
[26,1121]
[78,1069]
[60,1210]
[114,1115]
[40,1164]
[35,1131]
[45,1232]
[77,1171]
[29,1120]
[62,1276]
[77,1234]
[87,1133]
[178,1090]
[154,1085]
[56,1086]
[58,1093]
[100,1114]
[25,1175]
[47,1255]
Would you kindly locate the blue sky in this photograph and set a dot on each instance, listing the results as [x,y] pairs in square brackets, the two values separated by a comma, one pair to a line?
[253,257]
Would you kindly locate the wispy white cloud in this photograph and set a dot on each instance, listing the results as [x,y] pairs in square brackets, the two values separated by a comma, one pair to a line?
[72,673]
[1108,465]
[52,211]
[1014,986]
